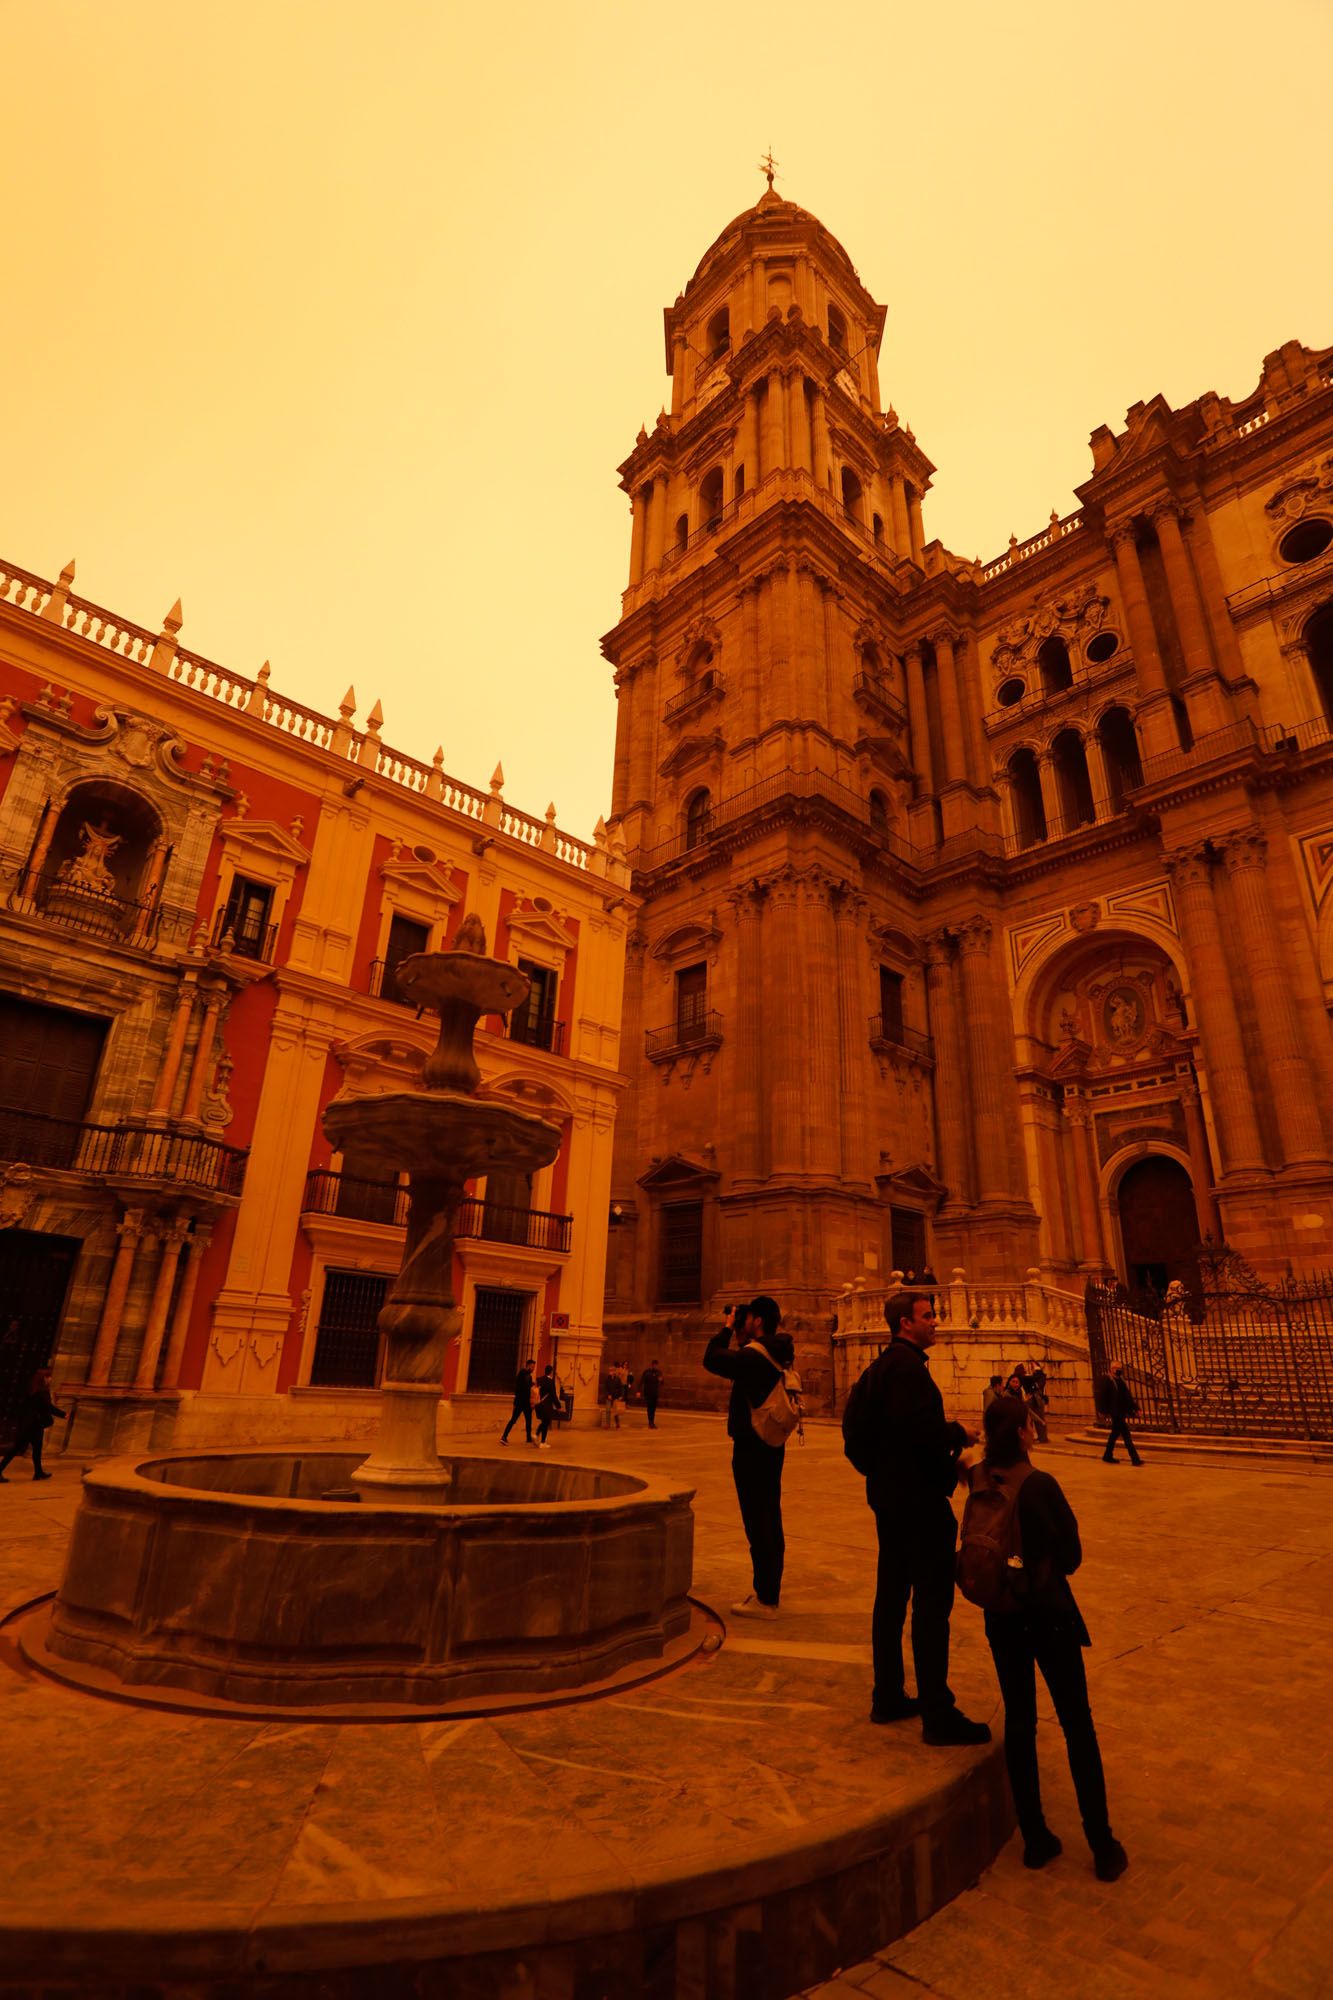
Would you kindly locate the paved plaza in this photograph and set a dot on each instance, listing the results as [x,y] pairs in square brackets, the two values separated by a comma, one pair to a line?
[1209,1592]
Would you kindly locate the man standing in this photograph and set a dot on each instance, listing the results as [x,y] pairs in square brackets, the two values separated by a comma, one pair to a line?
[914,1471]
[522,1403]
[1115,1400]
[547,1399]
[753,1372]
[652,1389]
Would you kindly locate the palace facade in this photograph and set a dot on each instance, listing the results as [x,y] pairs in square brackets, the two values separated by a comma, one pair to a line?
[205,890]
[985,909]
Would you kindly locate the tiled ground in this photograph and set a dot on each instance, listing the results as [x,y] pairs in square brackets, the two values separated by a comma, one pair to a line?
[1210,1596]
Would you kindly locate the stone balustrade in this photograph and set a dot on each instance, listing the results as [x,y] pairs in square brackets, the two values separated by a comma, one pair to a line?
[986,1329]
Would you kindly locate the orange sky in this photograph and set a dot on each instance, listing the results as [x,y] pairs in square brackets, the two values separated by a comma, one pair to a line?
[336,319]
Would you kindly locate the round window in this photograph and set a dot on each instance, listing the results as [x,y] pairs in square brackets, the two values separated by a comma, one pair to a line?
[1305,541]
[1101,647]
[541,903]
[423,853]
[1009,692]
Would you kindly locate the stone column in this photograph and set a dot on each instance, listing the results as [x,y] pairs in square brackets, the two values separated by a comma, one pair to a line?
[989,1059]
[968,670]
[1201,1166]
[853,1034]
[902,527]
[918,530]
[798,422]
[655,532]
[624,741]
[1078,1120]
[1199,538]
[951,1120]
[748,446]
[1214,1003]
[644,735]
[41,847]
[1098,773]
[638,511]
[783,1083]
[203,1055]
[173,1241]
[773,444]
[747,1128]
[1294,1094]
[164,1088]
[129,1230]
[1134,595]
[919,722]
[180,1319]
[823,1120]
[1184,590]
[951,712]
[819,422]
[1050,795]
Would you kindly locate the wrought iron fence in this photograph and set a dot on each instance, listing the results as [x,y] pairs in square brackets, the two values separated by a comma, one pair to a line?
[129,1152]
[1234,1356]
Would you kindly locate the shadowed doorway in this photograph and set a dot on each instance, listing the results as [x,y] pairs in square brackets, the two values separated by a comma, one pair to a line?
[1159,1224]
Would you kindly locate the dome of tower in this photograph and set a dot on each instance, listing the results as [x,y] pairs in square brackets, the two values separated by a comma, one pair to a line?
[770,208]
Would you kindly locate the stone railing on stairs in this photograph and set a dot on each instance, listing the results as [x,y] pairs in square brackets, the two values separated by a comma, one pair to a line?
[985,1330]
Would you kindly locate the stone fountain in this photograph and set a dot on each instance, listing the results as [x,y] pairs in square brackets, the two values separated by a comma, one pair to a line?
[443,1134]
[401,1584]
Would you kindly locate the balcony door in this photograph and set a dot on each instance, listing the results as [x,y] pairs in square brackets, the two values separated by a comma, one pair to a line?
[533,1022]
[499,1318]
[48,1066]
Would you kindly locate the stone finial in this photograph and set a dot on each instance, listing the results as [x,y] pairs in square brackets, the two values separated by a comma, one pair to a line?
[54,608]
[551,814]
[599,832]
[1013,541]
[340,742]
[347,706]
[548,832]
[369,753]
[375,720]
[497,781]
[1055,517]
[258,702]
[164,652]
[642,438]
[435,782]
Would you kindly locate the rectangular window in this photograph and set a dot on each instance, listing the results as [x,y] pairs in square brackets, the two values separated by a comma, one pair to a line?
[692,1003]
[890,1004]
[406,938]
[682,1253]
[245,917]
[347,1340]
[498,1322]
[533,1023]
[908,1238]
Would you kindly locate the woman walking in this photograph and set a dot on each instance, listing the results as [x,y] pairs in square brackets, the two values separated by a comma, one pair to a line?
[1046,1632]
[36,1415]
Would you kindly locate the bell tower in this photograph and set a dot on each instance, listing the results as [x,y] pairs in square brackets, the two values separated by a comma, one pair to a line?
[775,722]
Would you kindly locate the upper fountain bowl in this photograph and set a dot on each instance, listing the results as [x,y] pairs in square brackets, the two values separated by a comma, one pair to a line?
[435,978]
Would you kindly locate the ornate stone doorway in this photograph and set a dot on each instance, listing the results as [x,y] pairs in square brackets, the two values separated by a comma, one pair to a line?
[34,1277]
[1159,1224]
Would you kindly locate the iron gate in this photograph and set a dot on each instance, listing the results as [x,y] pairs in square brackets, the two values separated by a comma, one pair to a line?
[497,1332]
[1234,1356]
[347,1340]
[34,1277]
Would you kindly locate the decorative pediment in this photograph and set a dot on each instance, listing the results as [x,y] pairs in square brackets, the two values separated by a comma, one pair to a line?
[373,1064]
[1147,429]
[691,750]
[424,883]
[543,933]
[533,1093]
[916,1185]
[687,943]
[1311,487]
[701,635]
[264,841]
[677,1172]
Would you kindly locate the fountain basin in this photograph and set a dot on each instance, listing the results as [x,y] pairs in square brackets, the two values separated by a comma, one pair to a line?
[225,1574]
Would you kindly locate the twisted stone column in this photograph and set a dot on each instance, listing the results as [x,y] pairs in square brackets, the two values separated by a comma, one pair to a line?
[1295,1100]
[1223,1048]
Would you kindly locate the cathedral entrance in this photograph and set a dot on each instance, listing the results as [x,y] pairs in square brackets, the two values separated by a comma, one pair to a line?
[1159,1224]
[34,1277]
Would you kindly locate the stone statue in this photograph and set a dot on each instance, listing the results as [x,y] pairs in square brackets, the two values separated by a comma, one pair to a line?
[88,869]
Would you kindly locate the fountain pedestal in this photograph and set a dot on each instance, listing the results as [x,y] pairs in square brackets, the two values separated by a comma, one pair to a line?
[443,1135]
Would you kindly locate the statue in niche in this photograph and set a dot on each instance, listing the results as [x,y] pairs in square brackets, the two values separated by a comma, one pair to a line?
[88,869]
[1124,1016]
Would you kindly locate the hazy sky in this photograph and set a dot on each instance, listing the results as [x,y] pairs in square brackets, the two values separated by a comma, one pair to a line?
[336,319]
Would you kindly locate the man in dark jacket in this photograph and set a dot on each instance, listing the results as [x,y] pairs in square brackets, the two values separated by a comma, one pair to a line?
[1116,1401]
[651,1383]
[756,1467]
[915,1471]
[36,1415]
[522,1403]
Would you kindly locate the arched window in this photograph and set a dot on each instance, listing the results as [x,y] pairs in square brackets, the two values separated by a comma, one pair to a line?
[683,531]
[710,498]
[698,816]
[1120,753]
[851,493]
[1025,796]
[1072,782]
[1319,648]
[104,866]
[879,811]
[739,481]
[837,330]
[877,527]
[1053,662]
[717,340]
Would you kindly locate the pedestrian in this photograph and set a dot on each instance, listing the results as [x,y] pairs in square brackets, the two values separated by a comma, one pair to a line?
[754,1369]
[913,1471]
[1016,1384]
[1036,1402]
[1115,1400]
[651,1384]
[547,1394]
[616,1390]
[522,1402]
[36,1414]
[1046,1631]
[994,1390]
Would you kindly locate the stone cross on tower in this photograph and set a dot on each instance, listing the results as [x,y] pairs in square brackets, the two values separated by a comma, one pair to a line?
[768,166]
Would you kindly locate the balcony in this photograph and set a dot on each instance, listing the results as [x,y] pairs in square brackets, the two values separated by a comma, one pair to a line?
[690,1035]
[889,1034]
[129,1152]
[709,686]
[543,1033]
[383,985]
[95,912]
[875,695]
[255,943]
[385,1202]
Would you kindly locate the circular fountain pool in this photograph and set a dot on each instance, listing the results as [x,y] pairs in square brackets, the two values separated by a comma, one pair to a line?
[227,1575]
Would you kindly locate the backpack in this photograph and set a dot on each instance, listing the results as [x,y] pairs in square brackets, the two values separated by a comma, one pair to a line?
[989,1565]
[780,1413]
[858,1434]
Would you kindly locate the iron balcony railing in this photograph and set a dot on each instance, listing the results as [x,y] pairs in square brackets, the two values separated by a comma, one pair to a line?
[543,1033]
[876,693]
[257,944]
[894,1035]
[691,1031]
[708,684]
[129,1152]
[383,984]
[362,1200]
[95,912]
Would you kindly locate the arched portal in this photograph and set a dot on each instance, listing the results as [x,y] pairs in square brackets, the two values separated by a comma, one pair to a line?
[1159,1223]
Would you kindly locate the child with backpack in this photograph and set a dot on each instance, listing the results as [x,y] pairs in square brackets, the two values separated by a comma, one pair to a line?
[1018,1549]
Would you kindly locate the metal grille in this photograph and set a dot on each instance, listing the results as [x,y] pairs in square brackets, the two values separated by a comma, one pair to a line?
[34,1277]
[497,1335]
[1234,1356]
[347,1341]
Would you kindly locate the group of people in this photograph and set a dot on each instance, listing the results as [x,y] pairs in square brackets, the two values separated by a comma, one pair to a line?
[916,1458]
[1028,1385]
[618,1387]
[535,1396]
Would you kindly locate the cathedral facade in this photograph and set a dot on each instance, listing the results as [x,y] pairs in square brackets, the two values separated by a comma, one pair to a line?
[985,909]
